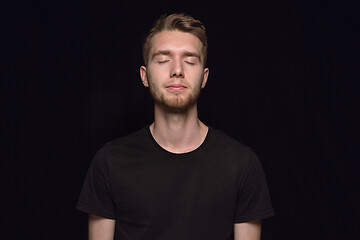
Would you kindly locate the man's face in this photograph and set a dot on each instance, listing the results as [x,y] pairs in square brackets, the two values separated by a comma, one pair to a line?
[175,73]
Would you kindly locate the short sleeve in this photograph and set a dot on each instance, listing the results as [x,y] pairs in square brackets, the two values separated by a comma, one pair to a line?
[253,201]
[96,197]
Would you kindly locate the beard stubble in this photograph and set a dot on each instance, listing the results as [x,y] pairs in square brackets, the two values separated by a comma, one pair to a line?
[176,104]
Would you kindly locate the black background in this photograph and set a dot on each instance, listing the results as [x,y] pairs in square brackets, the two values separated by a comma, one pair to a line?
[283,79]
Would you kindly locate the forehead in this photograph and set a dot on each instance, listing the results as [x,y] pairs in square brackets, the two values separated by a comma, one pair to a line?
[175,41]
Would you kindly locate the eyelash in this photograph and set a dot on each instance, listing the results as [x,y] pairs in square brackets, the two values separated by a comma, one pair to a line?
[190,63]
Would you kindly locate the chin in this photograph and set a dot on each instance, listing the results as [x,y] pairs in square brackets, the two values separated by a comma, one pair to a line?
[177,105]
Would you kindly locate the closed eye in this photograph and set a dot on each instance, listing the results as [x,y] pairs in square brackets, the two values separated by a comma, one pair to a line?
[191,60]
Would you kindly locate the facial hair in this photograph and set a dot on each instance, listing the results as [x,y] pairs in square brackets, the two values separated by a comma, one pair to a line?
[178,103]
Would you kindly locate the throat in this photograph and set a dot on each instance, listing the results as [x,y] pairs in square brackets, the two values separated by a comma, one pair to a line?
[179,139]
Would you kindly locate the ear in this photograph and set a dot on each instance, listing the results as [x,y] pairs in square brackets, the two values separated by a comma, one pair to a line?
[143,76]
[205,77]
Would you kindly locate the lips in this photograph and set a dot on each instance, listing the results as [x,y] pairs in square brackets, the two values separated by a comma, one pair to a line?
[176,87]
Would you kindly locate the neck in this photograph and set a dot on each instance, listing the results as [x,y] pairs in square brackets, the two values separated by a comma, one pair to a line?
[178,132]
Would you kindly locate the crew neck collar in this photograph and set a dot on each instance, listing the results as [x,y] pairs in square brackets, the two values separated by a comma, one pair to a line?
[161,150]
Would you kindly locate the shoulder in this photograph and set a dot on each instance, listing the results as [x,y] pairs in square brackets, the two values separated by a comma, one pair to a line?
[231,151]
[238,159]
[128,144]
[131,139]
[221,140]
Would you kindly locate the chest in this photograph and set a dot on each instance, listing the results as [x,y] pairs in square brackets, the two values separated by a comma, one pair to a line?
[148,188]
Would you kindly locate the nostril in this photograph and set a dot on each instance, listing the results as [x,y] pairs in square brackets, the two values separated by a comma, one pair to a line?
[177,75]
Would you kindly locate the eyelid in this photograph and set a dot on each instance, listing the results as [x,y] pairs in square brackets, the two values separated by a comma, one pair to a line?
[191,60]
[163,60]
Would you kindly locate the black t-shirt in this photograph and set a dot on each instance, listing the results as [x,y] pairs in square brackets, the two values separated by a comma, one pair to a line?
[156,194]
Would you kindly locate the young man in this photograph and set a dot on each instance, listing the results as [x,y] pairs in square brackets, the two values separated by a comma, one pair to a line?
[176,179]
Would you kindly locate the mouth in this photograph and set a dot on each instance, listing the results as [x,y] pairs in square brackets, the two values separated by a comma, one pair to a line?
[176,87]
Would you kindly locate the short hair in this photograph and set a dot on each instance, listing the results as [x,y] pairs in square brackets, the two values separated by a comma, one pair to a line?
[180,22]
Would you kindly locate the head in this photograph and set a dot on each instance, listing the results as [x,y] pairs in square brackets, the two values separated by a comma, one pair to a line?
[176,22]
[174,55]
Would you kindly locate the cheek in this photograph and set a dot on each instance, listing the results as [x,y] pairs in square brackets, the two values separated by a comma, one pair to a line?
[196,74]
[159,71]
[155,79]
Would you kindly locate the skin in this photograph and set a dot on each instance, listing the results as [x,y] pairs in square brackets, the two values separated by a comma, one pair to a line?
[175,75]
[248,230]
[101,228]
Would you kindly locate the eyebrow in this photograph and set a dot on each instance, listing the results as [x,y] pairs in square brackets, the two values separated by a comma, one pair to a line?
[161,52]
[168,53]
[192,54]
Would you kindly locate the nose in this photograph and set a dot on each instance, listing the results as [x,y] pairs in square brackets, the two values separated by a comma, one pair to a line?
[177,69]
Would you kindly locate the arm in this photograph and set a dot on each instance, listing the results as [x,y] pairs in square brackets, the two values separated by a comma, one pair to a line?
[101,228]
[247,230]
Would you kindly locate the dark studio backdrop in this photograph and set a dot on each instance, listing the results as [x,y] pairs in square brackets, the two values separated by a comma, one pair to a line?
[283,79]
